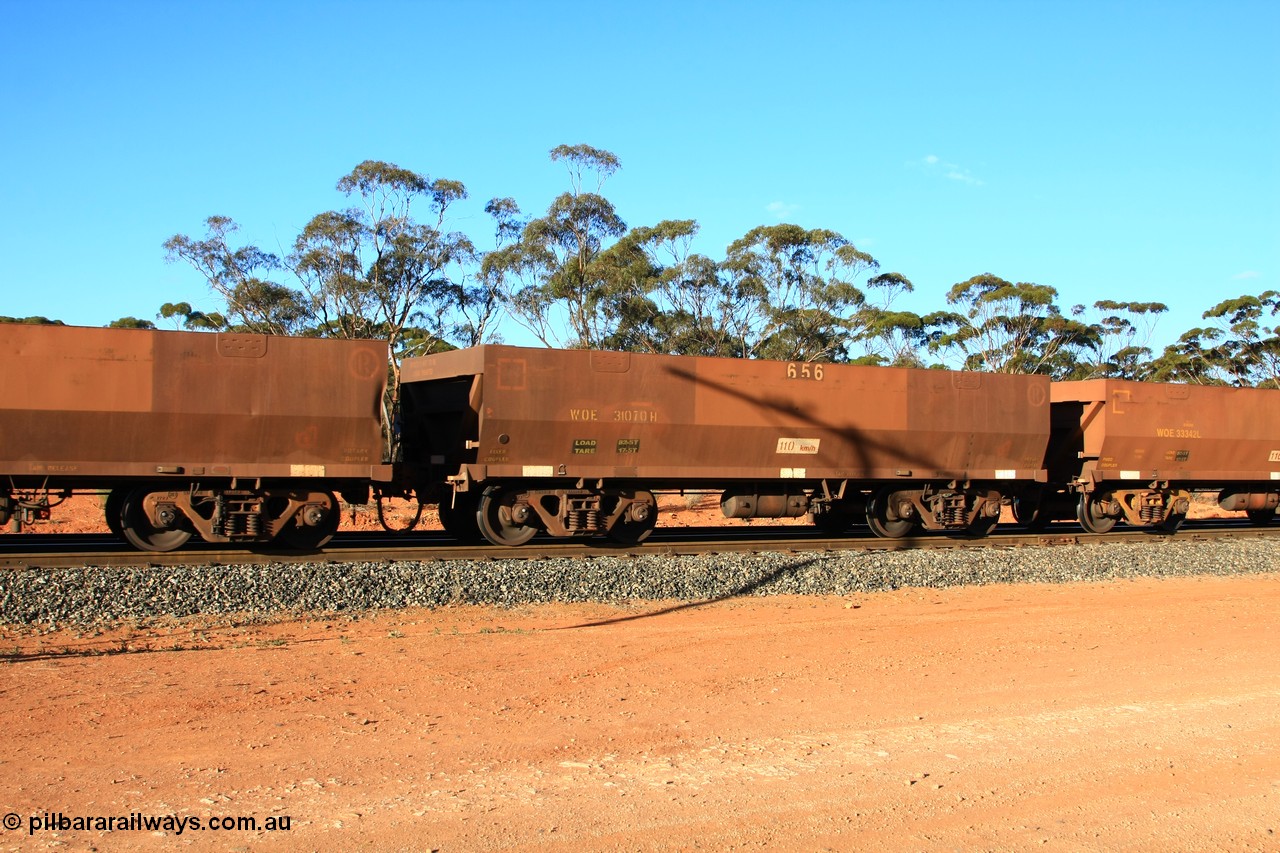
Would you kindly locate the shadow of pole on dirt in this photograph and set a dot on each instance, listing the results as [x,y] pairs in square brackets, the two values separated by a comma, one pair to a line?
[746,589]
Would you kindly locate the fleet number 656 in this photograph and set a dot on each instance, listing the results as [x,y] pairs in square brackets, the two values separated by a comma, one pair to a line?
[804,371]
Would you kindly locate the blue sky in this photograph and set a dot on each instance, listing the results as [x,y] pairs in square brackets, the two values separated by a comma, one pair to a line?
[1126,150]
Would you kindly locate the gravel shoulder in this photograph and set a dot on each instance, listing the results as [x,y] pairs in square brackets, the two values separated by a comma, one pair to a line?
[1120,699]
[52,598]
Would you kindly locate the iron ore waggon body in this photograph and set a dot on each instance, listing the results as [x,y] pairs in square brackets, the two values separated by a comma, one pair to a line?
[1134,451]
[234,437]
[576,442]
[246,438]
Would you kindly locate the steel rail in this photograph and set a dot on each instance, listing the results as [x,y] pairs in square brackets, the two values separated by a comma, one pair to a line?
[47,551]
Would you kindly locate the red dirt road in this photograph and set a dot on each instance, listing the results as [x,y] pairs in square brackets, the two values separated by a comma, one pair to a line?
[1139,715]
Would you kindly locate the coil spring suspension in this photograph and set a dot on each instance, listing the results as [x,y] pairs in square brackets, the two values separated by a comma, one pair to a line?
[583,515]
[952,512]
[1152,509]
[237,518]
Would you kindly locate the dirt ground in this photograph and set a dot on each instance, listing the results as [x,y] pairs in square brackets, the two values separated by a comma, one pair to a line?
[1137,715]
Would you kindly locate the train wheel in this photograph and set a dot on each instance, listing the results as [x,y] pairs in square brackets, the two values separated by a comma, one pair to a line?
[629,531]
[111,509]
[1173,521]
[495,518]
[1089,511]
[138,530]
[1260,517]
[878,518]
[1030,514]
[458,518]
[315,535]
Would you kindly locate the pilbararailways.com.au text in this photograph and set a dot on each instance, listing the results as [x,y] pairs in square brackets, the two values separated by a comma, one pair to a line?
[138,822]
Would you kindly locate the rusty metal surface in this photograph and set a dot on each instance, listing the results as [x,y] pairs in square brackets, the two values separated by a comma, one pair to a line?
[80,403]
[1143,431]
[539,413]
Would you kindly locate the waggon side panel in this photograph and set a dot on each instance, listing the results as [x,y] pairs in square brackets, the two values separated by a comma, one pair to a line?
[577,414]
[1157,431]
[83,403]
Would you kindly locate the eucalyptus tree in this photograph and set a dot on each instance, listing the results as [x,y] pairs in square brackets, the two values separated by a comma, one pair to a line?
[1123,332]
[1004,327]
[1240,347]
[700,314]
[385,267]
[32,321]
[192,319]
[1248,339]
[887,335]
[555,284]
[1191,359]
[243,278]
[481,296]
[795,288]
[666,299]
[377,270]
[131,323]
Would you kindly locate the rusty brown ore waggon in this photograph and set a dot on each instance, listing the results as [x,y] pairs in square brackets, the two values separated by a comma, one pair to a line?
[575,442]
[246,438]
[1134,451]
[234,437]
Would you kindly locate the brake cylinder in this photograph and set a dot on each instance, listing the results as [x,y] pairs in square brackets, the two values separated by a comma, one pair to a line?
[1246,501]
[753,505]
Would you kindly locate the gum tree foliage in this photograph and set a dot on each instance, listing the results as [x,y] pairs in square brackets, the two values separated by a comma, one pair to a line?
[1248,347]
[782,292]
[668,299]
[797,289]
[1008,328]
[699,314]
[382,267]
[1123,330]
[242,278]
[1241,347]
[191,319]
[554,282]
[131,323]
[1187,360]
[375,270]
[32,321]
[481,304]
[385,267]
[577,276]
[388,265]
[888,336]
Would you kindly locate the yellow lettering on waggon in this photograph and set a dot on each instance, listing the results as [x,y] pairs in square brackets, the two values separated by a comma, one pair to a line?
[1177,432]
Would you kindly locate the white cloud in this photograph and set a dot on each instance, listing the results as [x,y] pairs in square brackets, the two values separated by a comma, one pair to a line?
[781,210]
[950,171]
[963,176]
[1246,275]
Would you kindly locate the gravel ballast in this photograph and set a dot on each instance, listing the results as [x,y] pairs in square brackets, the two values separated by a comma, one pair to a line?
[92,595]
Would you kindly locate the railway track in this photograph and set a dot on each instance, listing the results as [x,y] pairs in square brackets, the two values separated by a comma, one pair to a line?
[42,550]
